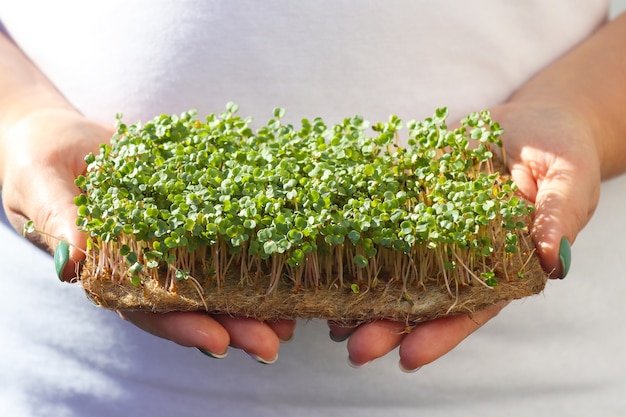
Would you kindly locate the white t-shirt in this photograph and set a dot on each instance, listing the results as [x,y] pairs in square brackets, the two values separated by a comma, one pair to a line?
[63,357]
[324,58]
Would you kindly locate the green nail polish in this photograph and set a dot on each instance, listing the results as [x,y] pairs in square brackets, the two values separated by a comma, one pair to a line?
[61,257]
[338,339]
[565,255]
[213,355]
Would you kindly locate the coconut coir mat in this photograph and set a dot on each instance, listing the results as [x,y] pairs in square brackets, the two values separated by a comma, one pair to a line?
[391,302]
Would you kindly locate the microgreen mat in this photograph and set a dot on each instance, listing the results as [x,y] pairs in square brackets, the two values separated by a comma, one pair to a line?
[310,206]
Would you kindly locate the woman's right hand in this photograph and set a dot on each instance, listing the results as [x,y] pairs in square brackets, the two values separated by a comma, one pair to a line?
[43,152]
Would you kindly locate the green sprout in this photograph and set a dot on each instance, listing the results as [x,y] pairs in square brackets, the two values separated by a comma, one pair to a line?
[181,198]
[29,227]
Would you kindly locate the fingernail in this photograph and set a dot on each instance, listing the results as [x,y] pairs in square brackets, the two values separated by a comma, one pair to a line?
[263,361]
[213,355]
[357,365]
[61,256]
[565,255]
[408,370]
[338,339]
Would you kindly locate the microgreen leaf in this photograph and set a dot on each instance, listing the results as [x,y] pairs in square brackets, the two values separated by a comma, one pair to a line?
[29,227]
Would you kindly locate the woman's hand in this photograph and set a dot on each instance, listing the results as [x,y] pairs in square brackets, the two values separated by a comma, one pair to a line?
[553,157]
[43,154]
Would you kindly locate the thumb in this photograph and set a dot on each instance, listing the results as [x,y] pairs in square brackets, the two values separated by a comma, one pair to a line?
[48,201]
[69,248]
[566,198]
[44,154]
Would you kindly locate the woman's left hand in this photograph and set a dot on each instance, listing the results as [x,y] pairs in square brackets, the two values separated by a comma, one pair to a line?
[553,157]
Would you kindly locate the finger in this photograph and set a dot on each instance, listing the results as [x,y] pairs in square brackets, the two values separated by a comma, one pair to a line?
[373,340]
[430,340]
[190,329]
[256,338]
[283,329]
[341,331]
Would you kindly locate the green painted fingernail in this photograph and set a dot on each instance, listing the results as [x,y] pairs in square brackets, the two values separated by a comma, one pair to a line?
[565,255]
[61,256]
[338,339]
[213,355]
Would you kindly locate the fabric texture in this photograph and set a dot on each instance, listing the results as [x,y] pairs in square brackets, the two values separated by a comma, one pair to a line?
[327,58]
[557,354]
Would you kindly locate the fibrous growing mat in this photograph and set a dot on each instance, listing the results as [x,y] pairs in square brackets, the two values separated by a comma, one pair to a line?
[336,222]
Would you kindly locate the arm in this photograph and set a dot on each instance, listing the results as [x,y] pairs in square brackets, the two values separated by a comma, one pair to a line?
[43,141]
[565,131]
